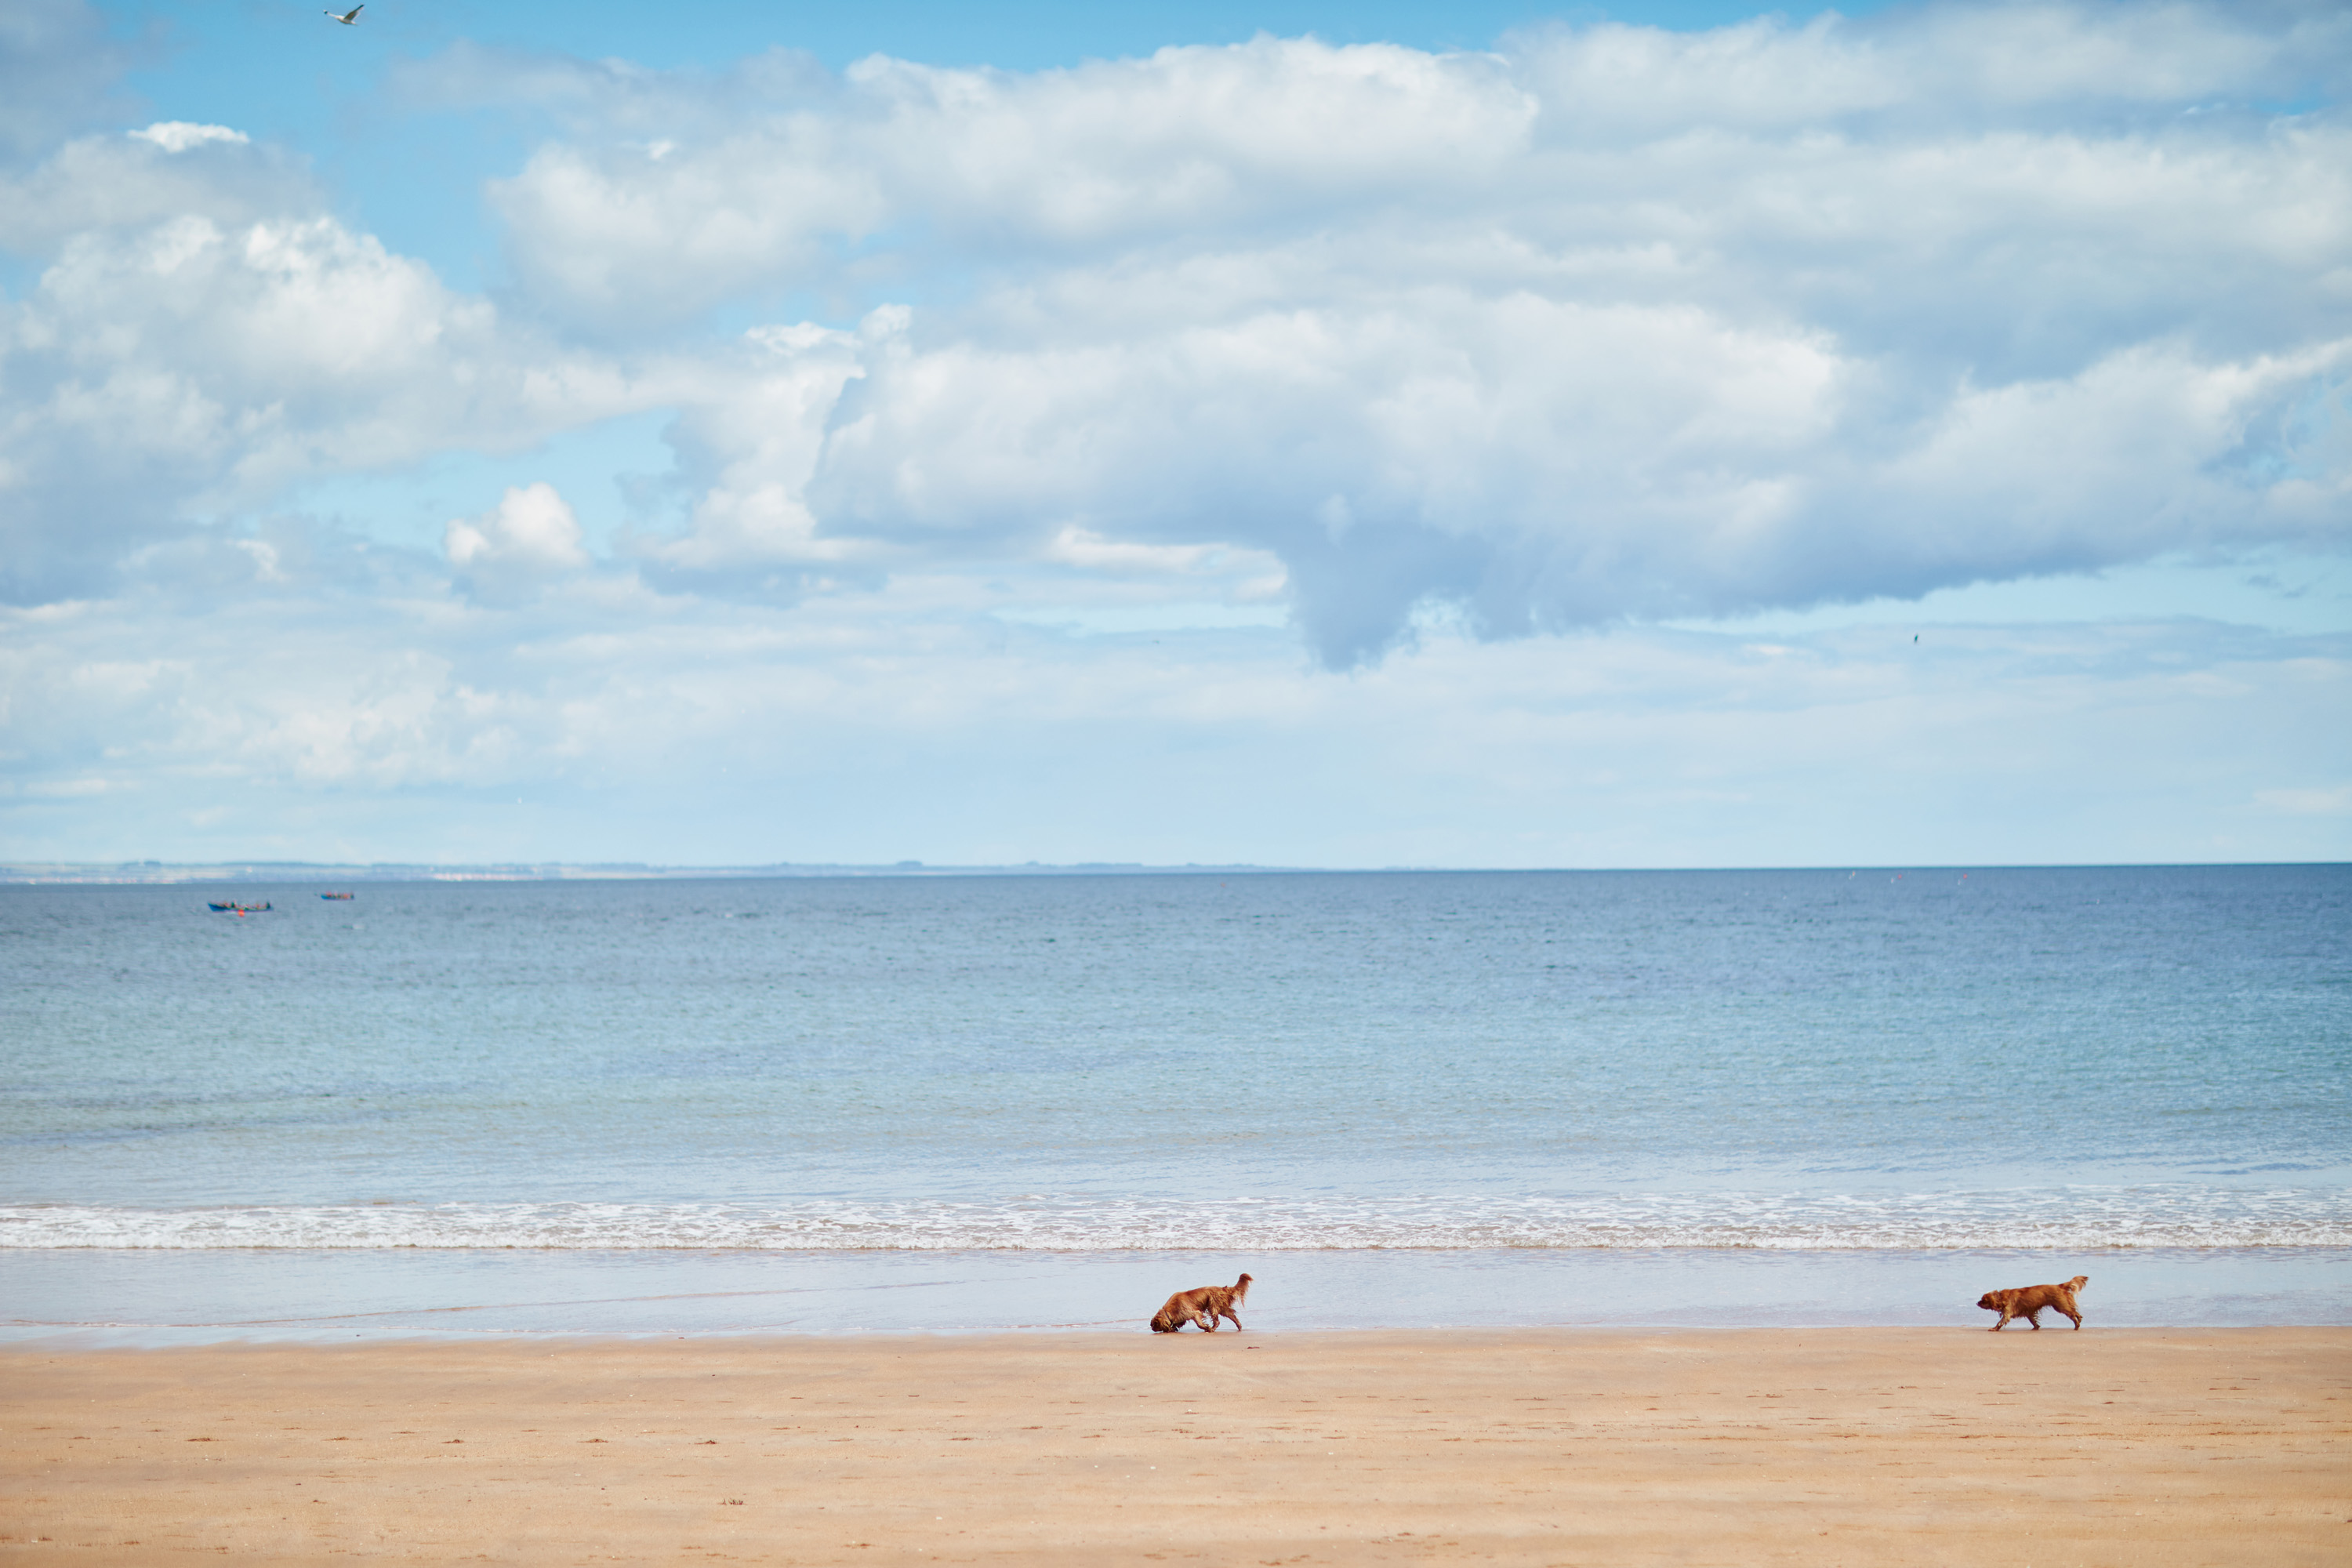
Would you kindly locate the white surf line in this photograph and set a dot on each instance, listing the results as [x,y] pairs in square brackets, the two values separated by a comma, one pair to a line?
[353,1317]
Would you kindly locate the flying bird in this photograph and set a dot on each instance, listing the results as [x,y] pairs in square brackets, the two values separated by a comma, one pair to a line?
[350,18]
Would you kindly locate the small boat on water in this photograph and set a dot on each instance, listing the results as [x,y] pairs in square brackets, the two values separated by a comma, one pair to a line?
[241,909]
[337,895]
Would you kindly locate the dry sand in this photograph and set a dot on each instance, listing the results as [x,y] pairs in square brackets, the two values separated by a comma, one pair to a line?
[2129,1447]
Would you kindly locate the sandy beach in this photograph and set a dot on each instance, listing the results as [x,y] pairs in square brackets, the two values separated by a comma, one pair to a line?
[1525,1446]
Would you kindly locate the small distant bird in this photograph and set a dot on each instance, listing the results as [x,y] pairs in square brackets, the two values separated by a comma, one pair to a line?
[350,18]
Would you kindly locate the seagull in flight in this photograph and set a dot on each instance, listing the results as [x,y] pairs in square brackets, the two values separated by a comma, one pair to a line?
[350,18]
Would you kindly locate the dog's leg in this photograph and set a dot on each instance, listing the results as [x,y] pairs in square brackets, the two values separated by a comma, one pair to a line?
[2035,1317]
[2005,1316]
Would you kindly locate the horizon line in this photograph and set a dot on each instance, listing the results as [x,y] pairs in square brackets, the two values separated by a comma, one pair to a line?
[151,872]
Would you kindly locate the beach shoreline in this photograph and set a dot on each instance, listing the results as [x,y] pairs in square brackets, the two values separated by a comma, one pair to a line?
[127,1297]
[2104,1445]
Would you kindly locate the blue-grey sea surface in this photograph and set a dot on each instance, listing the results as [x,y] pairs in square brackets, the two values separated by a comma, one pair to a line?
[1903,1064]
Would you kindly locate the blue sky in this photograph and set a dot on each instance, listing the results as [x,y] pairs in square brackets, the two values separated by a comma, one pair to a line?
[1500,436]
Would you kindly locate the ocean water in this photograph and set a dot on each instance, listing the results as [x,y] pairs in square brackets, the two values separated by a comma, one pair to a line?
[1750,1094]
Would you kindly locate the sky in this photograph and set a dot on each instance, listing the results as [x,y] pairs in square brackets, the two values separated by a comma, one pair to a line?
[1495,435]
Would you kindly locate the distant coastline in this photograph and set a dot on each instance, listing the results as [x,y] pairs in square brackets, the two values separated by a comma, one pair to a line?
[159,872]
[168,873]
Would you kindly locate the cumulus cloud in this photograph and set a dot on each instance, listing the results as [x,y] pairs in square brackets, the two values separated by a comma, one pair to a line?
[1609,324]
[746,440]
[110,185]
[1951,66]
[529,537]
[179,136]
[168,372]
[1195,143]
[1614,322]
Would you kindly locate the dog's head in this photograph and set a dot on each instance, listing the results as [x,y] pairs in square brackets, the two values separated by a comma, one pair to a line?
[1988,1302]
[2077,1282]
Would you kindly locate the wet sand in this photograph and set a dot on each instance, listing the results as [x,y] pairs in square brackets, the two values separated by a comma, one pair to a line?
[2122,1446]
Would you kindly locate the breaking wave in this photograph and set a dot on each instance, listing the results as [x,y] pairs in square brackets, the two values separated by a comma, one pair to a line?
[2069,1219]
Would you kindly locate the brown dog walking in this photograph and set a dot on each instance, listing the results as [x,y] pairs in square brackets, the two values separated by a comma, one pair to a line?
[2028,1300]
[1204,1307]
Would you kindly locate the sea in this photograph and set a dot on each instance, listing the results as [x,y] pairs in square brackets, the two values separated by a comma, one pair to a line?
[863,1104]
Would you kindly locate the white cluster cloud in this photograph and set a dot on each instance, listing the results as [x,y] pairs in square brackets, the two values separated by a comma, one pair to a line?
[529,537]
[179,136]
[746,441]
[110,186]
[1616,322]
[1613,322]
[171,370]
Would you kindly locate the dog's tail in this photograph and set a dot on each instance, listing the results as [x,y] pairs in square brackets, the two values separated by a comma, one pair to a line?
[1241,1287]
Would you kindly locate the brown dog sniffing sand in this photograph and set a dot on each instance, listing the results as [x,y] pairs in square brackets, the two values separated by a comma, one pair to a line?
[1204,1307]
